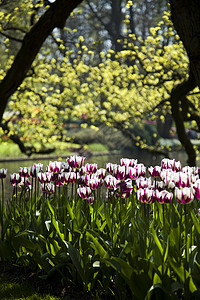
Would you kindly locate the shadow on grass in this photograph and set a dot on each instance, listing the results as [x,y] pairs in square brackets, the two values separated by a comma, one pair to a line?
[20,291]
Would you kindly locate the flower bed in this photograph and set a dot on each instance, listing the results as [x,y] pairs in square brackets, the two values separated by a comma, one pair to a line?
[125,231]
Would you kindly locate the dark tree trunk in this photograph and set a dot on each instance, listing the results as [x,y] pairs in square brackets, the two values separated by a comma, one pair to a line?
[116,23]
[186,20]
[54,17]
[178,93]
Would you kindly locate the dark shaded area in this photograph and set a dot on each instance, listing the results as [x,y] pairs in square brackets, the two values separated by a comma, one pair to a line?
[52,286]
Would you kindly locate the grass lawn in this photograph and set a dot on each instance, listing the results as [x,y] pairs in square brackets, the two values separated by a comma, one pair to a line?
[9,149]
[18,282]
[10,290]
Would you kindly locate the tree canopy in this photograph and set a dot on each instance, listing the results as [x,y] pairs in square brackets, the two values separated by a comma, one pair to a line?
[122,72]
[54,16]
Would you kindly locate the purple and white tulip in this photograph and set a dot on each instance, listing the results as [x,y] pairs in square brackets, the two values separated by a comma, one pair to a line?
[184,195]
[3,173]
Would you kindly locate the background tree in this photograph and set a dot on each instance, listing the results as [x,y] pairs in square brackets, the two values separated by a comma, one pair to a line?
[112,92]
[54,16]
[121,55]
[186,19]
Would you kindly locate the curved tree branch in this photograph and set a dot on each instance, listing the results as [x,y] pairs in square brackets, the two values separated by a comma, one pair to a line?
[54,17]
[131,136]
[177,94]
[27,150]
[11,37]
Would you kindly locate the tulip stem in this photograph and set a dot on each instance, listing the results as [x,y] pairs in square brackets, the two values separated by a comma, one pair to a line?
[186,283]
[2,210]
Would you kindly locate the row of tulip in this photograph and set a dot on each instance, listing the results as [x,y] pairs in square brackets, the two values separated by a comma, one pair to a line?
[163,180]
[124,223]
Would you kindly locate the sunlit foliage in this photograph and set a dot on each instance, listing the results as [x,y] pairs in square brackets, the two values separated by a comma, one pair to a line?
[123,90]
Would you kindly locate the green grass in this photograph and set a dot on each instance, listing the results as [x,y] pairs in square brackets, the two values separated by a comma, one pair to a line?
[97,147]
[9,149]
[21,291]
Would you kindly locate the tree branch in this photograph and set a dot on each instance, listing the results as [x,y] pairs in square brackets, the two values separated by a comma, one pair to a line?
[15,28]
[131,136]
[177,94]
[11,37]
[54,17]
[27,150]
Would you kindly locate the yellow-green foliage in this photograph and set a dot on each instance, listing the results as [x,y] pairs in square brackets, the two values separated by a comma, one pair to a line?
[124,87]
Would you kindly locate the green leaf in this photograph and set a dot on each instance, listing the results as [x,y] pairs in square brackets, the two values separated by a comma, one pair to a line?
[158,243]
[156,279]
[108,220]
[55,224]
[196,222]
[69,209]
[76,259]
[50,207]
[178,269]
[119,265]
[54,247]
[98,247]
[192,286]
[166,251]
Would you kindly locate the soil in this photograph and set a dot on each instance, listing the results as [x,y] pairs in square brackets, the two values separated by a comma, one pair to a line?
[53,286]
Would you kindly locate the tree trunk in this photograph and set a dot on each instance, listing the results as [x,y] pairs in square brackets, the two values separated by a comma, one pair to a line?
[54,17]
[177,95]
[186,20]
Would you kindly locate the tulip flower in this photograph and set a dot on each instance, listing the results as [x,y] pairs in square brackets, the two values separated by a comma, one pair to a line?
[90,200]
[24,171]
[166,175]
[110,182]
[155,171]
[44,177]
[121,172]
[110,167]
[68,177]
[64,178]
[101,173]
[48,187]
[124,188]
[190,170]
[15,178]
[167,163]
[76,161]
[66,167]
[184,195]
[196,187]
[128,162]
[143,182]
[25,183]
[164,196]
[91,168]
[3,173]
[138,171]
[180,179]
[94,183]
[55,167]
[145,195]
[159,185]
[177,166]
[84,192]
[35,169]
[81,171]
